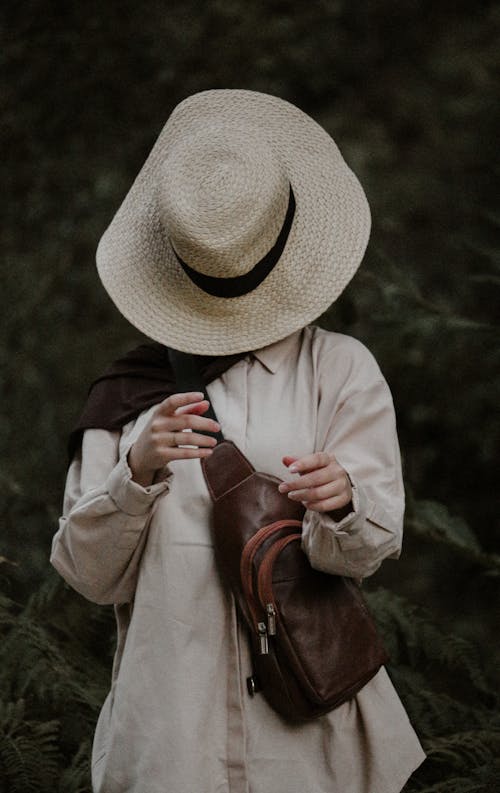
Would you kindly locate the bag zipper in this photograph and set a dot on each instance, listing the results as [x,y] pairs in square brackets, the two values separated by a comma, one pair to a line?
[265,580]
[267,627]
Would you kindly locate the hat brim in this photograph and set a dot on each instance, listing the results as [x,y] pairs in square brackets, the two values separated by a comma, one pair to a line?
[326,244]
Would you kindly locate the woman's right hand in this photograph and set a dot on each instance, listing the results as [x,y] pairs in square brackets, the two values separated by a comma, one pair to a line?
[159,441]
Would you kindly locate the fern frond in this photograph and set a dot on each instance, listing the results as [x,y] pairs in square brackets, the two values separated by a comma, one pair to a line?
[34,663]
[29,753]
[482,779]
[433,521]
[434,712]
[413,638]
[9,610]
[76,778]
[464,750]
[457,785]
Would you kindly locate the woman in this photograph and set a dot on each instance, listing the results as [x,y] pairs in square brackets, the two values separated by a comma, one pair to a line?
[242,227]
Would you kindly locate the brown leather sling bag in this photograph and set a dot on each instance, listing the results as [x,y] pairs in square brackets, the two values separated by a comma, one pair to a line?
[313,641]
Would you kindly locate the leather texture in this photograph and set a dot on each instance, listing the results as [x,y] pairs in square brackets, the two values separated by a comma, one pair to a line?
[325,646]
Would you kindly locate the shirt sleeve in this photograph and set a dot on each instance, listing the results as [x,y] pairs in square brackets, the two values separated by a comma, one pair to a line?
[105,518]
[360,430]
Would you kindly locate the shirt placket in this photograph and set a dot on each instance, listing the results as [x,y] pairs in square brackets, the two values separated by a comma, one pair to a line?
[234,426]
[234,423]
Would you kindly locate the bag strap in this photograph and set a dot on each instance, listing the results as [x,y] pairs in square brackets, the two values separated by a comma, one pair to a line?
[188,376]
[227,466]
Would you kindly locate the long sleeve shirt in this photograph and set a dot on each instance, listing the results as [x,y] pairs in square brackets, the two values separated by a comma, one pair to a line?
[178,716]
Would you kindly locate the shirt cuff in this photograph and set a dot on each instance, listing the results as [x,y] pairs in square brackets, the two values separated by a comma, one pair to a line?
[348,530]
[131,497]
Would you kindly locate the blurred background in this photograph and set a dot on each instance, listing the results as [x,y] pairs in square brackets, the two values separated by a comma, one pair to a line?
[410,92]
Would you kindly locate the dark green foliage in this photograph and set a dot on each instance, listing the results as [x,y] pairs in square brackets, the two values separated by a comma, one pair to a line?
[410,92]
[29,757]
[441,682]
[55,659]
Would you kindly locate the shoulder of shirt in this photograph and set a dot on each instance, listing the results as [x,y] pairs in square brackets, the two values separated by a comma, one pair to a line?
[330,343]
[350,357]
[96,436]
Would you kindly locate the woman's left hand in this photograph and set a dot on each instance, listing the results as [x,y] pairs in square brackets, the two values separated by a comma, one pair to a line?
[323,484]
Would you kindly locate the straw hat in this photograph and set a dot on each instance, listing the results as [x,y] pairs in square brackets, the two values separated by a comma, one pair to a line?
[243,225]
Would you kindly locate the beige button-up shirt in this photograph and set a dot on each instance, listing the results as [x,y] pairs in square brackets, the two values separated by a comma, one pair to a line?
[178,718]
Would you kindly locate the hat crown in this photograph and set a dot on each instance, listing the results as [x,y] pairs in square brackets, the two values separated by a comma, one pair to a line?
[223,196]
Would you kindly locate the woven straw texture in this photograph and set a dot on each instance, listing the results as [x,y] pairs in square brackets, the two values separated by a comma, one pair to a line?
[215,187]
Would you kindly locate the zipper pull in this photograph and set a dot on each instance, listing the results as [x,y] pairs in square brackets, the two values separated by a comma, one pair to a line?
[264,645]
[271,619]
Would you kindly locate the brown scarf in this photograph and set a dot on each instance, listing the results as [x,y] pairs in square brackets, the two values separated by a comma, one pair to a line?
[141,378]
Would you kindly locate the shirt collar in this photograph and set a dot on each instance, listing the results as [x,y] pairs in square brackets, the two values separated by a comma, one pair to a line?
[273,355]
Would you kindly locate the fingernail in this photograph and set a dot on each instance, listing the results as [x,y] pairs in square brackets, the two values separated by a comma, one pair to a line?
[293,468]
[282,488]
